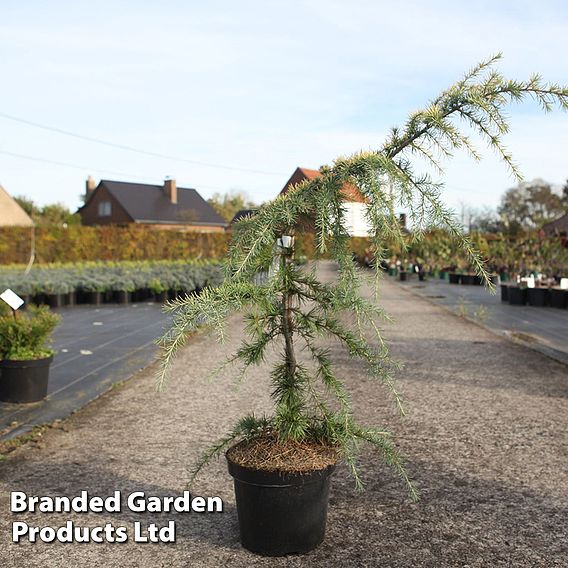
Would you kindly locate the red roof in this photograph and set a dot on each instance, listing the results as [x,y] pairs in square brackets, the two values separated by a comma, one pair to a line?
[349,191]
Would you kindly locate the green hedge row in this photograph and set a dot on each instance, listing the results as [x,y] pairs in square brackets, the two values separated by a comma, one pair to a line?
[78,243]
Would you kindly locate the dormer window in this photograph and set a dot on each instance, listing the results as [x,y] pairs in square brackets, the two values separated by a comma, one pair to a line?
[105,209]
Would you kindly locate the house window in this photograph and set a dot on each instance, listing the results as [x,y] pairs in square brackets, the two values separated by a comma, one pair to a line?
[105,209]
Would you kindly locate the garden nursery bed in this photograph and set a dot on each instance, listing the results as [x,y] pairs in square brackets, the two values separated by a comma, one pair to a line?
[97,282]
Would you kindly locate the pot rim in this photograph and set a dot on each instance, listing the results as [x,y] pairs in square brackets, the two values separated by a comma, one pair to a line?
[14,363]
[277,478]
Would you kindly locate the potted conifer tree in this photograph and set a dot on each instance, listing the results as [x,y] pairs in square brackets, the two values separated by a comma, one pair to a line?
[25,355]
[281,463]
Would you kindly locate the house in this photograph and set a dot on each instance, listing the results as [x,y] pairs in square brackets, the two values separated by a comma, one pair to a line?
[241,214]
[161,206]
[558,227]
[357,224]
[11,214]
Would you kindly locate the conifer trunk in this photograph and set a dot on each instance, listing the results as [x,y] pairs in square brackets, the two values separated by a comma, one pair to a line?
[287,324]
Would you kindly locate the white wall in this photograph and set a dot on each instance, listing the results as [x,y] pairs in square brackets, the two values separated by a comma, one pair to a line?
[357,224]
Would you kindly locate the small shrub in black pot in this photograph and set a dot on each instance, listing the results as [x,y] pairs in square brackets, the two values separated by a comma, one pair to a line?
[25,355]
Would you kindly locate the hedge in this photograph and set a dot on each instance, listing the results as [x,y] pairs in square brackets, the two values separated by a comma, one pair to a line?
[78,243]
[113,243]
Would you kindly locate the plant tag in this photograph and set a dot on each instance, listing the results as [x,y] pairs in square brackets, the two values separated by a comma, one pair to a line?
[12,299]
[564,283]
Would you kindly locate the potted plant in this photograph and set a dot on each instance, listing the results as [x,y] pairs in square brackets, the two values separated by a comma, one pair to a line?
[558,297]
[517,294]
[25,355]
[281,463]
[538,296]
[56,293]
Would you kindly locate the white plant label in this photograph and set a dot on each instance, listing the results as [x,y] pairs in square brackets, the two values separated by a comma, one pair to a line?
[12,299]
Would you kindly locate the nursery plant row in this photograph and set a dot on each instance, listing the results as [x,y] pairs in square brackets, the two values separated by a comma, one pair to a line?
[437,252]
[541,295]
[97,282]
[538,296]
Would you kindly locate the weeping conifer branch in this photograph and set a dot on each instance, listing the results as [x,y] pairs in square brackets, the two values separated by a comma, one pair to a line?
[292,310]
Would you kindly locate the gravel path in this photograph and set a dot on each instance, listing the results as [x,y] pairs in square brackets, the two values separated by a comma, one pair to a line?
[486,438]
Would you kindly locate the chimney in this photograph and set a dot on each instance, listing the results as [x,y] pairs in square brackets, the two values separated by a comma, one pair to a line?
[90,185]
[170,189]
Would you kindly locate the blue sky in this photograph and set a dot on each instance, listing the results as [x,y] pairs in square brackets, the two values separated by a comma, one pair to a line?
[258,85]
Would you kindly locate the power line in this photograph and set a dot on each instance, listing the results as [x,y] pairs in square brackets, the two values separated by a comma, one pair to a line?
[133,149]
[84,168]
[66,164]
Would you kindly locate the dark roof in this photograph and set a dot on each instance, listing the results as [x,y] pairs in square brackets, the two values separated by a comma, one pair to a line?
[558,226]
[242,214]
[148,204]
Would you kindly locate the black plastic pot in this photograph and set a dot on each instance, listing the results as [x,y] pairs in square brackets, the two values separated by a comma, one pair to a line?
[142,295]
[558,298]
[402,275]
[504,292]
[281,513]
[88,297]
[95,298]
[537,297]
[517,296]
[421,276]
[468,279]
[121,296]
[55,300]
[39,299]
[71,299]
[81,297]
[24,381]
[162,296]
[454,277]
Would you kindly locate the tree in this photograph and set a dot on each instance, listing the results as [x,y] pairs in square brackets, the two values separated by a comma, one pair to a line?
[229,203]
[293,309]
[55,214]
[26,204]
[529,205]
[485,220]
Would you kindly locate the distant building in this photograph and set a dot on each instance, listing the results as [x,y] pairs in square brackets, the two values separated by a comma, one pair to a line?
[11,214]
[242,214]
[161,206]
[354,202]
[558,227]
